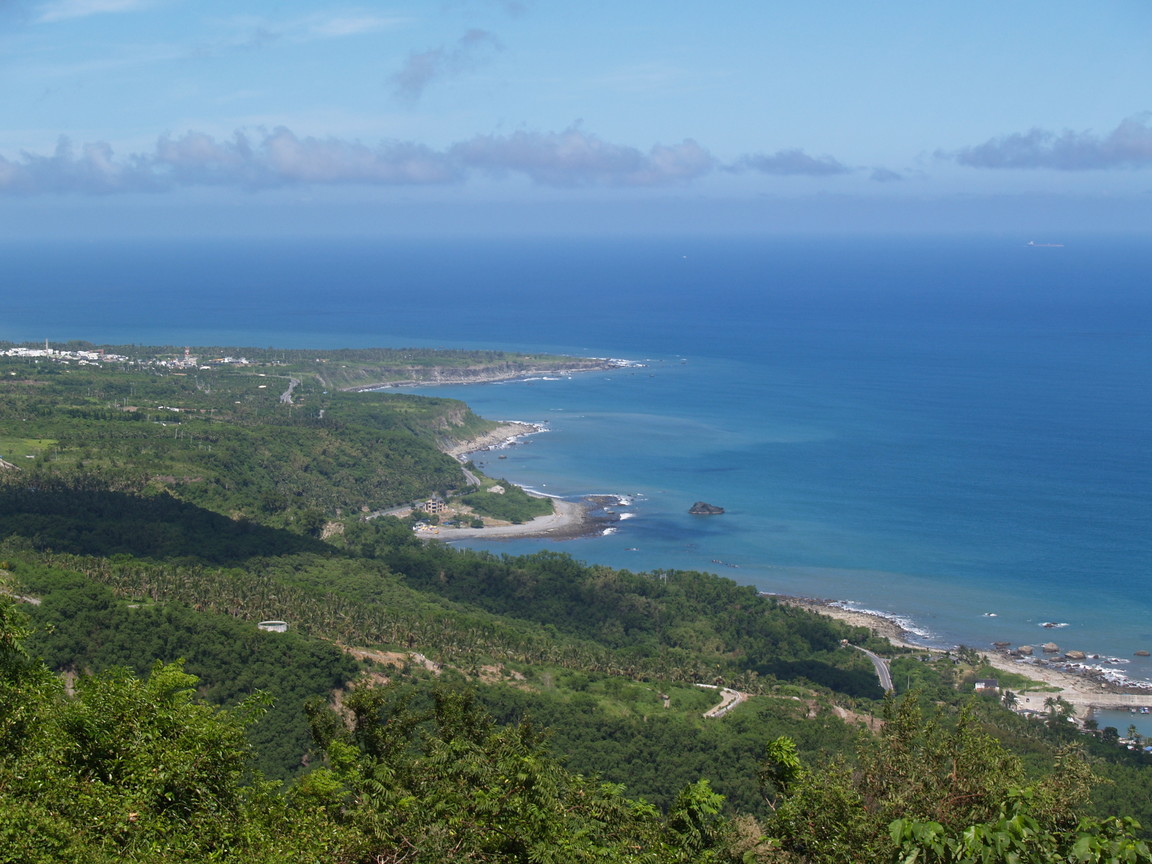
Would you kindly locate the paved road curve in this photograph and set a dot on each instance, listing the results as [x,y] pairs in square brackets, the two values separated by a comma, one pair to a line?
[729,699]
[882,670]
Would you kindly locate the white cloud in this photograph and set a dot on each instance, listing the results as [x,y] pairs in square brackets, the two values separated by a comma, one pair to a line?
[576,158]
[281,158]
[351,25]
[63,10]
[885,175]
[255,31]
[790,163]
[91,170]
[424,67]
[278,158]
[1129,145]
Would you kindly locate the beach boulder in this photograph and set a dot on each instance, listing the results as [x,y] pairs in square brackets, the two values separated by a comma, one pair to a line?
[1075,655]
[1025,650]
[1050,647]
[1141,653]
[701,508]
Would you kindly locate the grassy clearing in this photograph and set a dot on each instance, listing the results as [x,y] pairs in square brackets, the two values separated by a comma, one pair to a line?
[12,448]
[1013,681]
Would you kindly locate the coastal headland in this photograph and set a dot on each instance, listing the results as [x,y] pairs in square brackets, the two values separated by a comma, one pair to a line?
[389,377]
[568,519]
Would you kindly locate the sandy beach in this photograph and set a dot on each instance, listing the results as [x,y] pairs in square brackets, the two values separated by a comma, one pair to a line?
[1080,691]
[569,520]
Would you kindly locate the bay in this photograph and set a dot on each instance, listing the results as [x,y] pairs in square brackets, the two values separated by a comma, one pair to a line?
[956,430]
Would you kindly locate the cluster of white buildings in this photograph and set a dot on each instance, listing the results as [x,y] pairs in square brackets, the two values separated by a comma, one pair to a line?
[99,357]
[84,358]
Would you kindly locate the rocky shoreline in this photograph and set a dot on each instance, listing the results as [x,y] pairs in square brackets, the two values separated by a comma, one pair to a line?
[1082,679]
[507,433]
[1084,687]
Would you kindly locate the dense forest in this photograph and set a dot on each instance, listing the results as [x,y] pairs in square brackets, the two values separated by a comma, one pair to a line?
[432,704]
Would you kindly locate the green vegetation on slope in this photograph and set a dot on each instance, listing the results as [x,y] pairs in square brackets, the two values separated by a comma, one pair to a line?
[506,501]
[138,770]
[83,627]
[226,440]
[130,769]
[151,534]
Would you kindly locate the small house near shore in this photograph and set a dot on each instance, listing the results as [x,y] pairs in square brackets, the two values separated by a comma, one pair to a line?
[984,684]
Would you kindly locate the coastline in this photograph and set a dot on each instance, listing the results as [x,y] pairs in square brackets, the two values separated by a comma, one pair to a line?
[440,378]
[1084,687]
[507,433]
[1080,690]
[880,625]
[570,518]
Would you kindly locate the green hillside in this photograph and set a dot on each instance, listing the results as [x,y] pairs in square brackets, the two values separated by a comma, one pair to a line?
[432,704]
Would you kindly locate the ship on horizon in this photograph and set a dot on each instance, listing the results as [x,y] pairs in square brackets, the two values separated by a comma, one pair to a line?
[1046,245]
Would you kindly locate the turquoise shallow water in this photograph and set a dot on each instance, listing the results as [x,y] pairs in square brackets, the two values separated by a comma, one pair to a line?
[934,429]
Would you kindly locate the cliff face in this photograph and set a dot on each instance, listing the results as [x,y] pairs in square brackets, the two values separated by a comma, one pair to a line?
[455,417]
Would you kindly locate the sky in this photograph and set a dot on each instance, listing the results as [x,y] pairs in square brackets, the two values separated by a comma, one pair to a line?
[162,117]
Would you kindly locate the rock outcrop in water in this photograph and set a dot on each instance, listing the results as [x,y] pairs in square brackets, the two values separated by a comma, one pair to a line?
[702,509]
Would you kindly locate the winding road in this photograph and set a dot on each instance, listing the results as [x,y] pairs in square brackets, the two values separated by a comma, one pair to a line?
[286,396]
[729,699]
[882,670]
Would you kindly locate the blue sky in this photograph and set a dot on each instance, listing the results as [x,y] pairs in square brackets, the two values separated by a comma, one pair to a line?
[168,116]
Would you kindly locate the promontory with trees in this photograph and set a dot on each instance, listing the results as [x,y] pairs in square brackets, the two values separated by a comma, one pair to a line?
[429,704]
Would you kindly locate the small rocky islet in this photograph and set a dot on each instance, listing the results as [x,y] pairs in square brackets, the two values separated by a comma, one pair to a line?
[701,508]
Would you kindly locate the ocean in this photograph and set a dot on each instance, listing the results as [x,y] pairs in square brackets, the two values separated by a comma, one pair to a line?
[954,431]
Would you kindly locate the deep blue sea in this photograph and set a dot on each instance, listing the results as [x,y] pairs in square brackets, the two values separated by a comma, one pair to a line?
[956,430]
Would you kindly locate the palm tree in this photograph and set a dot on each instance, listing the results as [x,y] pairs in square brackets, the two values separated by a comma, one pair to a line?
[1010,700]
[1059,710]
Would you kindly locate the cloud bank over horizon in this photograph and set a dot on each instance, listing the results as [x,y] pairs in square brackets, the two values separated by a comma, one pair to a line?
[280,157]
[572,158]
[792,162]
[1129,146]
[158,103]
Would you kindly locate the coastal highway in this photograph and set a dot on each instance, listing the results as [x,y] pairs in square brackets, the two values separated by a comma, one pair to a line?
[882,670]
[729,699]
[469,477]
